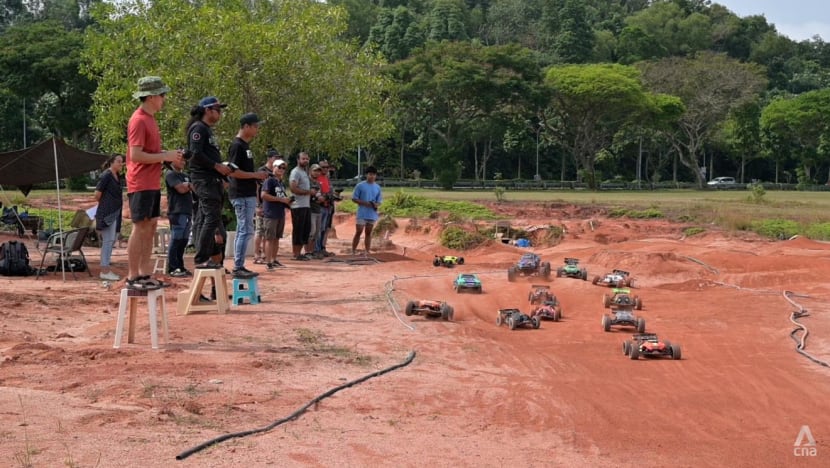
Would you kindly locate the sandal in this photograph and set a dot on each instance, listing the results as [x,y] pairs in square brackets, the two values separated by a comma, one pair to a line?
[259,261]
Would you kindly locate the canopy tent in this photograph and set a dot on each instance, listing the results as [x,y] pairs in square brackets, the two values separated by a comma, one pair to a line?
[49,160]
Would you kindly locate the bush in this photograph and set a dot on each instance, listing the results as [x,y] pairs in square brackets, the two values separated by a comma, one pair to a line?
[693,231]
[649,213]
[776,228]
[758,193]
[457,238]
[819,231]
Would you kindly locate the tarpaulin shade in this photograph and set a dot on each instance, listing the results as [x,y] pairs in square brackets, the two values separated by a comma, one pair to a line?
[37,164]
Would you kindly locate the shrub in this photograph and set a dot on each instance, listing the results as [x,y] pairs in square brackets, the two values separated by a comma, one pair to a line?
[692,231]
[499,192]
[757,193]
[819,231]
[776,228]
[457,238]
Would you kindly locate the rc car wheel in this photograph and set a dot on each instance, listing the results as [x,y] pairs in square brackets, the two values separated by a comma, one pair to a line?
[451,314]
[638,304]
[460,260]
[530,297]
[557,315]
[479,290]
[606,300]
[595,280]
[558,272]
[606,323]
[641,325]
[634,351]
[675,351]
[626,344]
[445,311]
[667,344]
[546,270]
[437,262]
[410,308]
[511,274]
[627,282]
[511,323]
[584,275]
[536,322]
[498,320]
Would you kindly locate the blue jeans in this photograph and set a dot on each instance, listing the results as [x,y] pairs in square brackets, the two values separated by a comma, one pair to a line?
[245,209]
[179,235]
[320,243]
[107,243]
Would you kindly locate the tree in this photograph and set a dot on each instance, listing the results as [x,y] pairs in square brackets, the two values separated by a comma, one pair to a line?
[448,20]
[281,59]
[710,86]
[591,103]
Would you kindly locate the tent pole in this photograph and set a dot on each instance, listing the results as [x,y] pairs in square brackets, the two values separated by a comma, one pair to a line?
[60,216]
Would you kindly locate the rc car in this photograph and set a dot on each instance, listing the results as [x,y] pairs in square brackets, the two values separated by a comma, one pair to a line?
[548,310]
[539,293]
[430,309]
[529,264]
[514,318]
[571,269]
[624,317]
[615,279]
[647,345]
[448,261]
[622,297]
[467,281]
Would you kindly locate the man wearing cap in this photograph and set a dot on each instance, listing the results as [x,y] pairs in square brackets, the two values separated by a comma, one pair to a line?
[327,209]
[368,197]
[271,155]
[243,190]
[144,161]
[275,201]
[207,174]
[316,206]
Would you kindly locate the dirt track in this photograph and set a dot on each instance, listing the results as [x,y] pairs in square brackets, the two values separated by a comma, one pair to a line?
[475,395]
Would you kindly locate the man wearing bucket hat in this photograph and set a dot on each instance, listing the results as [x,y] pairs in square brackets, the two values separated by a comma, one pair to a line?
[207,174]
[144,162]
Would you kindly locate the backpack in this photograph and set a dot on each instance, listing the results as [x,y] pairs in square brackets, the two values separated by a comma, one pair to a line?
[14,259]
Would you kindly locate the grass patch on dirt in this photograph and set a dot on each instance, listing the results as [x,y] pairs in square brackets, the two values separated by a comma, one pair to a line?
[314,341]
[402,204]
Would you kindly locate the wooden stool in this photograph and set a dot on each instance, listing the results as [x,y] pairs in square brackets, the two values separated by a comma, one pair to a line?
[131,296]
[161,240]
[190,301]
[245,288]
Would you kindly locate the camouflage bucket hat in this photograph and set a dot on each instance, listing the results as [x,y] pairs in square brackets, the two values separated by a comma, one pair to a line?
[150,86]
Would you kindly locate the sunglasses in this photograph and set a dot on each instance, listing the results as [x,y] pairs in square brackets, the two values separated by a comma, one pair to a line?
[217,109]
[281,167]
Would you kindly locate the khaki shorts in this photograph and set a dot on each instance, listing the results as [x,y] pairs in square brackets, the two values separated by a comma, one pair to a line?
[274,228]
[259,223]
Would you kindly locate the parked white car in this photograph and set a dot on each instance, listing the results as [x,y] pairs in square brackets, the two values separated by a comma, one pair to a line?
[721,181]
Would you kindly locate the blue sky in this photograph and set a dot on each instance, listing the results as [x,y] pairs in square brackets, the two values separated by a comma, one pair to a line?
[797,19]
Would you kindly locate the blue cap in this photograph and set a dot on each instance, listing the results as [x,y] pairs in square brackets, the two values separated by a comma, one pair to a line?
[211,101]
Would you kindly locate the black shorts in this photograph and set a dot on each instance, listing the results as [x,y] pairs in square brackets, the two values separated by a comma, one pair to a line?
[274,228]
[301,225]
[144,205]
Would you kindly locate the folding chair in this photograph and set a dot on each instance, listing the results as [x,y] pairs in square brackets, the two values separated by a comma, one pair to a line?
[63,245]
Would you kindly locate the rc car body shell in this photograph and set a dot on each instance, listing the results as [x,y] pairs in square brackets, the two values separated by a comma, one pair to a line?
[430,309]
[615,279]
[623,317]
[571,269]
[548,310]
[648,345]
[621,297]
[530,264]
[539,293]
[448,261]
[467,282]
[514,318]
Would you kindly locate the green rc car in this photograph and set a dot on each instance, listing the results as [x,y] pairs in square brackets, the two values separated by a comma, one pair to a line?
[467,281]
[571,269]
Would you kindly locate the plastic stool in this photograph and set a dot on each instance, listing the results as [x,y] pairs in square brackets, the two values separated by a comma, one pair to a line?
[245,288]
[130,297]
[189,301]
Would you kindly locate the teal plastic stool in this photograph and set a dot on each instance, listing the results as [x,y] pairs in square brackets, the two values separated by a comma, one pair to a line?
[245,289]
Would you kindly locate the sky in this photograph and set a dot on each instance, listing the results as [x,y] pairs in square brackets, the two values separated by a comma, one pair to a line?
[797,19]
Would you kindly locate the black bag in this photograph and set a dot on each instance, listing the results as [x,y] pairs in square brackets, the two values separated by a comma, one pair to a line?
[14,259]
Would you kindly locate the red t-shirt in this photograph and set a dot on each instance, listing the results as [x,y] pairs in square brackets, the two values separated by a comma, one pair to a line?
[143,131]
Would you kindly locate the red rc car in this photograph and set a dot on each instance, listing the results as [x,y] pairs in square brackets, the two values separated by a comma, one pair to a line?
[430,309]
[648,345]
[548,310]
[539,293]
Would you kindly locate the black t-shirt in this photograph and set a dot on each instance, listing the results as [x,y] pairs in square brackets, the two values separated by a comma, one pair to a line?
[205,149]
[177,203]
[259,183]
[240,154]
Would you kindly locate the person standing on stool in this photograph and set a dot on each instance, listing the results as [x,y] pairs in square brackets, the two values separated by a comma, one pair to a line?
[144,160]
[243,190]
[207,173]
[110,202]
[368,197]
[179,212]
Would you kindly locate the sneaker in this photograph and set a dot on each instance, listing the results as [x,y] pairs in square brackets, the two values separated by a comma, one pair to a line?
[179,273]
[301,258]
[326,253]
[277,263]
[109,276]
[209,265]
[244,273]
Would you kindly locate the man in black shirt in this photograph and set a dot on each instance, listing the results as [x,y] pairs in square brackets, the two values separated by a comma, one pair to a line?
[243,190]
[271,155]
[179,212]
[206,172]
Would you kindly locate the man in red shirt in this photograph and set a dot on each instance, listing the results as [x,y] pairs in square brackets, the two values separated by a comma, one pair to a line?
[144,161]
[327,209]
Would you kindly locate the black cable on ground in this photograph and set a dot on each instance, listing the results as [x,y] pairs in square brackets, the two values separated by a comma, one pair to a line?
[295,414]
[801,342]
